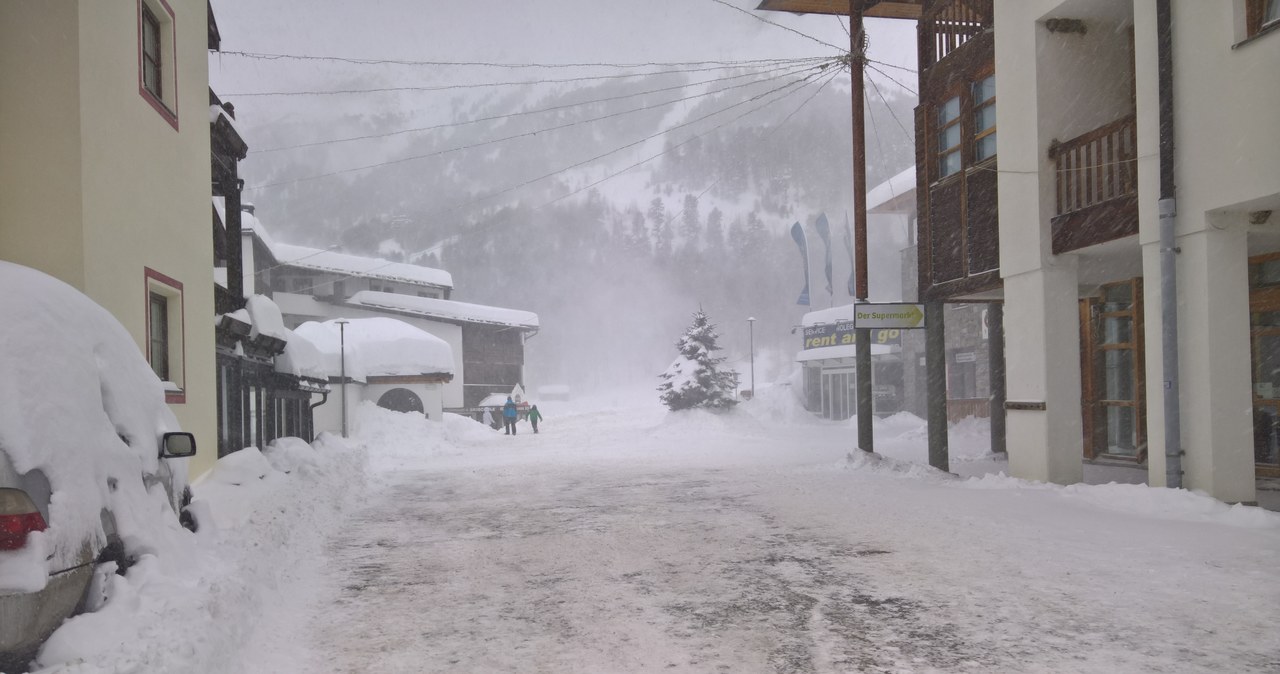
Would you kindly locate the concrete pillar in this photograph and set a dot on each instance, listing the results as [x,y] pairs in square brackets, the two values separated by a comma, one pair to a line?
[1214,361]
[1042,353]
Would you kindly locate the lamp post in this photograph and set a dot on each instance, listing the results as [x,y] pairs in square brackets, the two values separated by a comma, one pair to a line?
[751,332]
[342,351]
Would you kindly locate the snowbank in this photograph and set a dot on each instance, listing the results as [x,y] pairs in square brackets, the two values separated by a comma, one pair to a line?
[263,518]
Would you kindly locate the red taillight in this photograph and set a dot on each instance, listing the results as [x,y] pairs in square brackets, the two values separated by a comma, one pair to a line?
[18,517]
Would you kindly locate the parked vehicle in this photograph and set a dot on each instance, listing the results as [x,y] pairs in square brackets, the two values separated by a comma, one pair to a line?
[92,463]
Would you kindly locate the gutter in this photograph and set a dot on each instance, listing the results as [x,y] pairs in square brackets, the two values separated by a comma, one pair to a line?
[1168,252]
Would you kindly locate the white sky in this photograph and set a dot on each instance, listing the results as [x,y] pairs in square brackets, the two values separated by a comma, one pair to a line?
[550,31]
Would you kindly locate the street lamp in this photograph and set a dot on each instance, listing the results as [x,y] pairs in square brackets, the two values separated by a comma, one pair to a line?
[751,328]
[342,351]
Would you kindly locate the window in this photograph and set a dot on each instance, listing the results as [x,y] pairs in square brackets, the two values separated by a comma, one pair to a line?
[1261,15]
[151,53]
[164,342]
[984,119]
[156,58]
[949,137]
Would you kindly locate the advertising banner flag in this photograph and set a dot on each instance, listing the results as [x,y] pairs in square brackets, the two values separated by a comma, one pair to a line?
[797,233]
[824,232]
[848,246]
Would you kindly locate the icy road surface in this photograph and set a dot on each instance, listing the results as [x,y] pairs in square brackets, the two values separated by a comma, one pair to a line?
[644,542]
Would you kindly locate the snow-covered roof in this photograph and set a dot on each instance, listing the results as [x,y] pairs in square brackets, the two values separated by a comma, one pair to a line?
[895,195]
[445,309]
[376,347]
[840,314]
[318,259]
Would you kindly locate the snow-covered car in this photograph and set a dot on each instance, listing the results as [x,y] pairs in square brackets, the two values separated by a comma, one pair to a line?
[92,463]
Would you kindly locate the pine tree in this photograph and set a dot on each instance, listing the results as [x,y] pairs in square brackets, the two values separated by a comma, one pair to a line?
[693,379]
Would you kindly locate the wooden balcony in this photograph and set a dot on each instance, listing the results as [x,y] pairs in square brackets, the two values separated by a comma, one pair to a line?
[1097,186]
[945,25]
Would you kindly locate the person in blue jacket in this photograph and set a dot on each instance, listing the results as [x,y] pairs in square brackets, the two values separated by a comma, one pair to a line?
[509,416]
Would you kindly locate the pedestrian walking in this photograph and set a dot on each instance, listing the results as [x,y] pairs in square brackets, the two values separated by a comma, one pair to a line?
[509,416]
[534,417]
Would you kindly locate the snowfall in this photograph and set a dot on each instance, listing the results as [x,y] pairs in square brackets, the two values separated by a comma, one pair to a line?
[626,538]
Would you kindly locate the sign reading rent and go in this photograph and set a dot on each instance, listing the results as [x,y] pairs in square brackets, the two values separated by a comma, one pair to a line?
[844,333]
[899,316]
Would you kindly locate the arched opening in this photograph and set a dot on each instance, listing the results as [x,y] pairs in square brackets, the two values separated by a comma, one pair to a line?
[401,400]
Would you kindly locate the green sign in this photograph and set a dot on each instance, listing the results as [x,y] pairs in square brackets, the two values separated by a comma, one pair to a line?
[900,316]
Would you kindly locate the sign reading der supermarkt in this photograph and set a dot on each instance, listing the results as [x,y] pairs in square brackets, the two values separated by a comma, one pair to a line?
[897,316]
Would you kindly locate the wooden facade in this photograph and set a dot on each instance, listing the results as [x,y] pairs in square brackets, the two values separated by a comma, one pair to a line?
[959,238]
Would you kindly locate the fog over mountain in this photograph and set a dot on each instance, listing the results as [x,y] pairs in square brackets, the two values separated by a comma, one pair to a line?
[613,205]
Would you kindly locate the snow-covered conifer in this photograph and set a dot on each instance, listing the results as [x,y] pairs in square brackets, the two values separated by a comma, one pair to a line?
[693,379]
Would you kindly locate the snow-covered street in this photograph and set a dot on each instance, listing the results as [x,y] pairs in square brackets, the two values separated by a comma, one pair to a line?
[643,541]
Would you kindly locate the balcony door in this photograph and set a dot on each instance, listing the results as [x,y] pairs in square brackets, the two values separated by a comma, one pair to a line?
[1112,373]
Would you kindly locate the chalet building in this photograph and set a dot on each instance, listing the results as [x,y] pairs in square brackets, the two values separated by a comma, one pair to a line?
[257,400]
[311,284]
[104,174]
[1116,122]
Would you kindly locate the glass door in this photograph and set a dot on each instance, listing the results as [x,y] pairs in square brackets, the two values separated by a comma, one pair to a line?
[1115,420]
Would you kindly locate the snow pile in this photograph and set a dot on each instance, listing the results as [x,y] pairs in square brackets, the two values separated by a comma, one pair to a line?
[264,517]
[80,404]
[376,347]
[408,441]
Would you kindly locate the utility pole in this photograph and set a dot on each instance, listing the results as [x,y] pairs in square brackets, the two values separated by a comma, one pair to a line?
[342,351]
[857,43]
[751,331]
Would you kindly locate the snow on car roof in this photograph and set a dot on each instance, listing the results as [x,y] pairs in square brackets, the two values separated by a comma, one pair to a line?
[78,403]
[445,309]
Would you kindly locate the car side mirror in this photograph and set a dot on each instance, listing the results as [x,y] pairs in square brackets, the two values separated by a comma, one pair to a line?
[177,445]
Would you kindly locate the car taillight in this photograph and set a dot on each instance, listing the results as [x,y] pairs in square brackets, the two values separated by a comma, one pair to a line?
[18,517]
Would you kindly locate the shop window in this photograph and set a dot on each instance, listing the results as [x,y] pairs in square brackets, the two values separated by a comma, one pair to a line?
[1264,339]
[157,75]
[165,348]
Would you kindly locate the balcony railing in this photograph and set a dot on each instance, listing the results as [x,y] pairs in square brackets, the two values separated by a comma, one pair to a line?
[1096,167]
[948,24]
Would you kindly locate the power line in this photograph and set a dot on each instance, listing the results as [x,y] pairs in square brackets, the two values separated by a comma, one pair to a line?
[801,82]
[890,78]
[528,134]
[772,23]
[892,112]
[480,85]
[491,118]
[368,61]
[913,71]
[717,181]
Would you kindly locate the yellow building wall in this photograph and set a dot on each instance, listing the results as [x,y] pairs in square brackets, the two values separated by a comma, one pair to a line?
[102,185]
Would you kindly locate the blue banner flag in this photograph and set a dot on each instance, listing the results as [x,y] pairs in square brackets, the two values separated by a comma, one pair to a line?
[797,233]
[848,246]
[824,232]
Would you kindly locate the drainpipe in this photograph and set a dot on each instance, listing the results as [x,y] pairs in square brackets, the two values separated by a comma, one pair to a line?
[1168,252]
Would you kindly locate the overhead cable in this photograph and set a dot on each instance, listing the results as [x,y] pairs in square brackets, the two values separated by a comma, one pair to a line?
[530,133]
[786,70]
